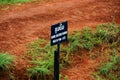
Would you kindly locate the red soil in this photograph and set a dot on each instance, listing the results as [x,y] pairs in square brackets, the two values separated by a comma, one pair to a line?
[21,24]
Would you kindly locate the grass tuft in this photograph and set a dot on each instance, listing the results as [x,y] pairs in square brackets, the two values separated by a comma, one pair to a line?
[3,2]
[5,61]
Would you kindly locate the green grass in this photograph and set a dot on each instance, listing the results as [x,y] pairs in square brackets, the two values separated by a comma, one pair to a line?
[3,2]
[108,32]
[9,2]
[41,59]
[110,70]
[6,61]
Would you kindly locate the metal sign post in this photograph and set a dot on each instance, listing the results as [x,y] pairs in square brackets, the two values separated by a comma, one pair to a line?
[56,63]
[59,34]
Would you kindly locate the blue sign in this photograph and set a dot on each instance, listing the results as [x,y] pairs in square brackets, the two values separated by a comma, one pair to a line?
[59,33]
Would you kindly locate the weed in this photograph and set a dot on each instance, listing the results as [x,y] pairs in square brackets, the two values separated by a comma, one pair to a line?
[63,77]
[97,76]
[111,70]
[108,32]
[74,43]
[42,59]
[88,39]
[5,61]
[6,65]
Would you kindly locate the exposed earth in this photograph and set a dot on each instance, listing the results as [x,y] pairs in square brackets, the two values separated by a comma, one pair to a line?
[22,24]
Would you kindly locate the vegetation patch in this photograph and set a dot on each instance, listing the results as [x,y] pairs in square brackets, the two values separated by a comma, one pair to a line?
[41,54]
[110,69]
[6,65]
[42,60]
[6,61]
[3,2]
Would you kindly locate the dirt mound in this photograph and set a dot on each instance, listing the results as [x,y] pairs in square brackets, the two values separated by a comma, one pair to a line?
[22,24]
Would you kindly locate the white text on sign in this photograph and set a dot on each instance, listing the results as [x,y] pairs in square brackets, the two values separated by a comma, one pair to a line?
[61,27]
[58,35]
[59,39]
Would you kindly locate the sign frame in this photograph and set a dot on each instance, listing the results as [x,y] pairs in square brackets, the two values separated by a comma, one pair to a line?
[59,33]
